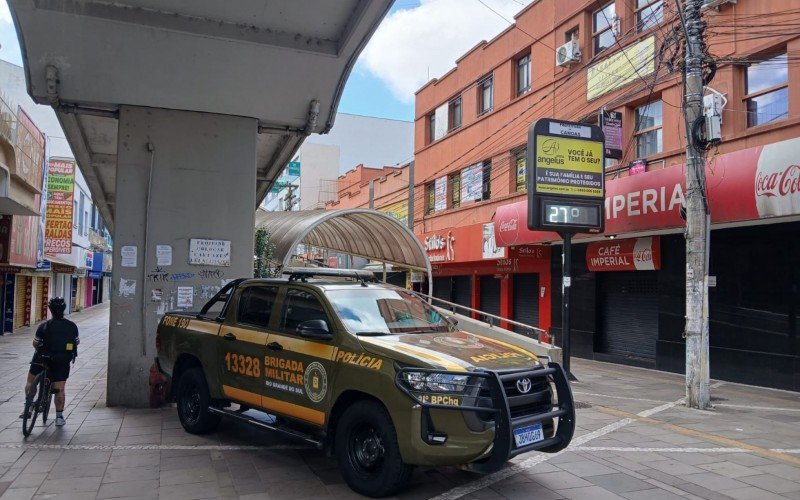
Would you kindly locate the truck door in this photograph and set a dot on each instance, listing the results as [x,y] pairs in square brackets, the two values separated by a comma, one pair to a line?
[241,344]
[299,371]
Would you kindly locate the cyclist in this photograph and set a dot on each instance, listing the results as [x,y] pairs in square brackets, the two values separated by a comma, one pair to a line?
[58,339]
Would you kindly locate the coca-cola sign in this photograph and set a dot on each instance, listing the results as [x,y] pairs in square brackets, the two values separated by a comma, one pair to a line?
[777,180]
[638,254]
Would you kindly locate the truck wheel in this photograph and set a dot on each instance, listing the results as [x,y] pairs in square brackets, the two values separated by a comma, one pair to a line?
[193,401]
[367,451]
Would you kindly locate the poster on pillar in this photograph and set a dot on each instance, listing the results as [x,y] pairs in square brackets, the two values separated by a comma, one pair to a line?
[206,252]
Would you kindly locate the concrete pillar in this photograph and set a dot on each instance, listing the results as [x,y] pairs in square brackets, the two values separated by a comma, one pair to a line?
[198,172]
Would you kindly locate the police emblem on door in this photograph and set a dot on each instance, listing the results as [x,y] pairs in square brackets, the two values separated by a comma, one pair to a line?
[315,381]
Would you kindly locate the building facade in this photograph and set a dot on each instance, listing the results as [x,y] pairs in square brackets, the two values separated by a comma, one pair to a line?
[572,60]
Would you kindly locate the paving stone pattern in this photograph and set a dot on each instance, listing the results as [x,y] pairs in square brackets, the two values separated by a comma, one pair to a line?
[748,447]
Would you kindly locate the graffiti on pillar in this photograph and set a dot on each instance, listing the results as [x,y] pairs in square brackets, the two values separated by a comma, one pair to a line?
[211,273]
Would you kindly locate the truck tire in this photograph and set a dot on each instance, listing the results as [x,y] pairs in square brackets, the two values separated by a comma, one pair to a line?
[193,401]
[367,451]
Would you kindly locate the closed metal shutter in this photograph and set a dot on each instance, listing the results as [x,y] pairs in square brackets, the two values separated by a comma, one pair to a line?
[490,295]
[443,288]
[629,314]
[20,287]
[462,291]
[37,301]
[526,300]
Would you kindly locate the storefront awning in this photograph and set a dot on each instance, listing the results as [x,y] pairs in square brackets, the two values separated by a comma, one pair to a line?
[361,232]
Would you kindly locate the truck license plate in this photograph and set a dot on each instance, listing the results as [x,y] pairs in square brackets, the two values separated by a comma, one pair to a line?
[528,435]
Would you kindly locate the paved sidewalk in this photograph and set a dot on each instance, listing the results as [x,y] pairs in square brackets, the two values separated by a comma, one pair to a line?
[634,441]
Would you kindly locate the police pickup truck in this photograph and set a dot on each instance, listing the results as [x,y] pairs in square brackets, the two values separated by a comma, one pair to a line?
[369,372]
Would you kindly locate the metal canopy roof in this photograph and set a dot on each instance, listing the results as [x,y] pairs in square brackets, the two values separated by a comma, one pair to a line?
[361,232]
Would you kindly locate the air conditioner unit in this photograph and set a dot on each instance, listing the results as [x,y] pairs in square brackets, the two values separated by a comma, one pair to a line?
[568,54]
[715,4]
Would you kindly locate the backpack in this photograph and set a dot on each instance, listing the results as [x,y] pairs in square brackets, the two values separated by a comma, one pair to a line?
[62,349]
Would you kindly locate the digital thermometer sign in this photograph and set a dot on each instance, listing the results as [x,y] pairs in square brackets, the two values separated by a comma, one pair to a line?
[566,177]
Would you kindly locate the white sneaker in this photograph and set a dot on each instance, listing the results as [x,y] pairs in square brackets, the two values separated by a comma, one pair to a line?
[60,421]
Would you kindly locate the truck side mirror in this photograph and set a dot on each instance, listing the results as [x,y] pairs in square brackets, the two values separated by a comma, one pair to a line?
[316,329]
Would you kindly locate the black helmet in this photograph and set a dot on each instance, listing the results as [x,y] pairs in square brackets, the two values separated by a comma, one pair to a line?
[57,305]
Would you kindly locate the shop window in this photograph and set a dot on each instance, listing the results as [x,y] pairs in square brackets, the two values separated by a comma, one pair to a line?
[523,74]
[485,95]
[430,198]
[431,128]
[455,190]
[454,112]
[648,133]
[767,90]
[487,180]
[649,13]
[520,160]
[603,28]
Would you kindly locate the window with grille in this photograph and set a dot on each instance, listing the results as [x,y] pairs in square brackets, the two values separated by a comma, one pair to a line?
[455,190]
[520,160]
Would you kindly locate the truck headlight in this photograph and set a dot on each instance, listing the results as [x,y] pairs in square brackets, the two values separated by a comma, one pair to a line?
[436,382]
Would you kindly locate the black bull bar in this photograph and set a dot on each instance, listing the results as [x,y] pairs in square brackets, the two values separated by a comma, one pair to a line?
[503,447]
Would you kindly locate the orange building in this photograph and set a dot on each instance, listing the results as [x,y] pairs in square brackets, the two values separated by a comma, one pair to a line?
[570,60]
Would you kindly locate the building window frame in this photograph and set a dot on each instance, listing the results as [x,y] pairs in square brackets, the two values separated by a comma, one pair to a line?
[649,13]
[486,191]
[455,113]
[485,95]
[431,128]
[751,96]
[430,198]
[643,136]
[523,70]
[598,32]
[454,181]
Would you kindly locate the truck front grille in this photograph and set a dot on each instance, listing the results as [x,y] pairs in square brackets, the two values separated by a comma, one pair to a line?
[539,399]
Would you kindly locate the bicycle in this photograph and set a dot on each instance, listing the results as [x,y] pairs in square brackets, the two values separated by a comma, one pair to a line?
[41,389]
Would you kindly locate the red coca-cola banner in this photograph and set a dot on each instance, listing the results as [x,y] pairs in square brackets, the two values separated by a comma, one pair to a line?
[634,254]
[750,184]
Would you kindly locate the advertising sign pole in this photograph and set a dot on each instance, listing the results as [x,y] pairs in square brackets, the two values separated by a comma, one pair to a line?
[566,286]
[566,193]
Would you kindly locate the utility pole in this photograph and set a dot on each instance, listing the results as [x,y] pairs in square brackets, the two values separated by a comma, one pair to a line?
[289,199]
[697,218]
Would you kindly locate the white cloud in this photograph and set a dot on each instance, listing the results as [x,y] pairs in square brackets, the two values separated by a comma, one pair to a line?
[411,46]
[5,13]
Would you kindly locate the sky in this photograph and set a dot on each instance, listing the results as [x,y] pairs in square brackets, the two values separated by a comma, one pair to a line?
[418,40]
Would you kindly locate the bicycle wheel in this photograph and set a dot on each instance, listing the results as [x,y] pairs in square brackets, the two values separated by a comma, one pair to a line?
[47,401]
[31,406]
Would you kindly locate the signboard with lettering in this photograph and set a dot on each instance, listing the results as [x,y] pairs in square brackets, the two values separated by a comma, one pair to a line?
[566,182]
[621,68]
[58,215]
[440,193]
[611,123]
[472,183]
[204,252]
[635,254]
[30,151]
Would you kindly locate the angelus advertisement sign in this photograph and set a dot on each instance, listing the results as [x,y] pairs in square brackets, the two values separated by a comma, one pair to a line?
[566,184]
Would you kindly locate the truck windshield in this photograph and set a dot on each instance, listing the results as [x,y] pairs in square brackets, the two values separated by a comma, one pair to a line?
[382,311]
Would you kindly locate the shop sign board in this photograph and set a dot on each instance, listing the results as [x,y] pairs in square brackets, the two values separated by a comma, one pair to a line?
[611,123]
[30,151]
[633,254]
[490,248]
[472,183]
[58,212]
[566,178]
[440,194]
[293,169]
[397,210]
[622,68]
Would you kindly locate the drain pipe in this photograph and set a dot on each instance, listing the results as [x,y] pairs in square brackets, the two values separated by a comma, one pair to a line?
[152,150]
